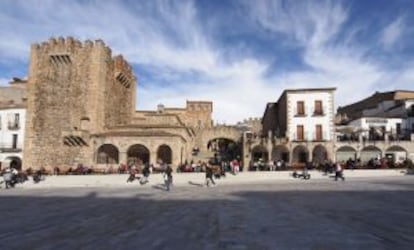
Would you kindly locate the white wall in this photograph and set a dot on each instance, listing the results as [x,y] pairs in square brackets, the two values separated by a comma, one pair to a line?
[309,121]
[6,135]
[367,122]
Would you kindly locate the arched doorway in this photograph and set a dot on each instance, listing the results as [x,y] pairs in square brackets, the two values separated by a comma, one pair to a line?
[319,155]
[395,154]
[108,154]
[345,153]
[370,153]
[138,154]
[164,153]
[300,154]
[280,152]
[15,162]
[224,149]
[259,152]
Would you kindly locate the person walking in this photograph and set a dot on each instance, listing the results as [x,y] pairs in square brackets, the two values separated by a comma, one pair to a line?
[145,174]
[338,172]
[7,177]
[168,179]
[209,175]
[133,174]
[236,167]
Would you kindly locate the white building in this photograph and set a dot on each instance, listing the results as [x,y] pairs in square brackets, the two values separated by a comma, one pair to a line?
[378,126]
[12,124]
[304,118]
[389,114]
[310,114]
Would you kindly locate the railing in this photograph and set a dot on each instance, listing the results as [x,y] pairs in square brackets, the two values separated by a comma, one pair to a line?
[13,126]
[318,113]
[10,148]
[391,137]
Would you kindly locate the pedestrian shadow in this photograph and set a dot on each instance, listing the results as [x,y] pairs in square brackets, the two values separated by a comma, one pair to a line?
[159,187]
[195,184]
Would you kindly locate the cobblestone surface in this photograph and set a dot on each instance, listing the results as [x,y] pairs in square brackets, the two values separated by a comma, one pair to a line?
[316,214]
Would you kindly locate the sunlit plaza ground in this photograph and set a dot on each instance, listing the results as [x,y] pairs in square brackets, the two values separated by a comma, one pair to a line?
[359,213]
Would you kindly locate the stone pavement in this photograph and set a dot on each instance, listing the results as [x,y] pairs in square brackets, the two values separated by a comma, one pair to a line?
[189,179]
[360,213]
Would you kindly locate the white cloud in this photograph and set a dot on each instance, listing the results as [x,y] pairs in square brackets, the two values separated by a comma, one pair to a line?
[314,26]
[392,33]
[4,81]
[169,38]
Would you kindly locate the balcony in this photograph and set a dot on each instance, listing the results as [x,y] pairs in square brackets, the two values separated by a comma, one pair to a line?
[319,139]
[318,113]
[13,126]
[10,148]
[300,114]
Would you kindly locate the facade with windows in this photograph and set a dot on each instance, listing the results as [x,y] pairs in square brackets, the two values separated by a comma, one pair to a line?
[299,127]
[309,115]
[378,127]
[12,125]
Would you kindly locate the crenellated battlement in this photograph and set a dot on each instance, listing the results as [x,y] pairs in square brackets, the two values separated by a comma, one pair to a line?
[198,106]
[121,64]
[62,45]
[252,119]
[123,71]
[223,128]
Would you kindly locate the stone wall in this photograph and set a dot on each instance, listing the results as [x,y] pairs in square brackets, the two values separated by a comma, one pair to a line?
[73,90]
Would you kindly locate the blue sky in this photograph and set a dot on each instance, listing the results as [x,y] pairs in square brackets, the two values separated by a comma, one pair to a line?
[238,54]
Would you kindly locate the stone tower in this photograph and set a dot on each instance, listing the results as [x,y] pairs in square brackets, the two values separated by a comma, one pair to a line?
[75,91]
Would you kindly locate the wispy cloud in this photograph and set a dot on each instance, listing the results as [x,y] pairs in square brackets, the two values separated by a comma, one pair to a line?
[315,26]
[392,33]
[186,57]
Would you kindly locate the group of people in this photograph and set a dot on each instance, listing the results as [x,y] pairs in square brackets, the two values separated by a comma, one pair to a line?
[142,174]
[272,165]
[12,176]
[328,167]
[232,166]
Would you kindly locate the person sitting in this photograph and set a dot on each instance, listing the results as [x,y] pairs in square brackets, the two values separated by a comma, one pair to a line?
[37,176]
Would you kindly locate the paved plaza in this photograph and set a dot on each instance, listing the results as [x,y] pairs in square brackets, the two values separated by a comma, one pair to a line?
[361,213]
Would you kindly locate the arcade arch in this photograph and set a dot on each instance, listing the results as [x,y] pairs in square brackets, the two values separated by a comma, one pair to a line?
[345,153]
[164,153]
[396,154]
[225,149]
[370,152]
[138,154]
[108,154]
[259,152]
[300,154]
[280,152]
[319,154]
